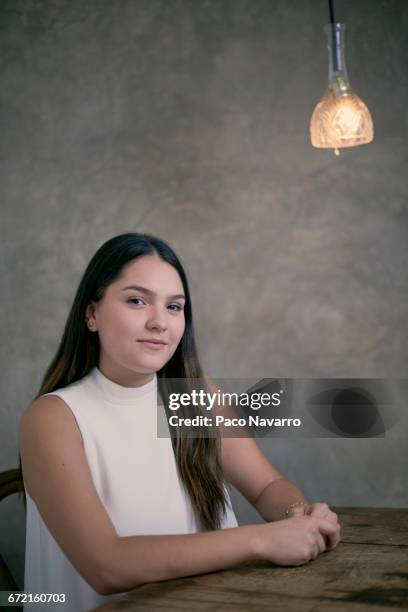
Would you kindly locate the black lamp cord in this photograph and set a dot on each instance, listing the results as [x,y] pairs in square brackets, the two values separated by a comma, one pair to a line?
[331,11]
[333,35]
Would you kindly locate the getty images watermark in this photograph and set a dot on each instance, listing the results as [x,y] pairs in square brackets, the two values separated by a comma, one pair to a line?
[268,407]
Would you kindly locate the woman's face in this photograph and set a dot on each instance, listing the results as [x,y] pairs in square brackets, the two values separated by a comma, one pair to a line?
[145,303]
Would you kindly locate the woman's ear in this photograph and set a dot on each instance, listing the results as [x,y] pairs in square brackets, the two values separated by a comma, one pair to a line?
[90,318]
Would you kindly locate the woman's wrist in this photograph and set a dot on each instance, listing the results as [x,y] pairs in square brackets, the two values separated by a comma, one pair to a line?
[274,500]
[256,542]
[298,508]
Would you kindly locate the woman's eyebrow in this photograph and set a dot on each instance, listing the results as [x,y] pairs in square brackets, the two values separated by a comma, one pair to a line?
[176,296]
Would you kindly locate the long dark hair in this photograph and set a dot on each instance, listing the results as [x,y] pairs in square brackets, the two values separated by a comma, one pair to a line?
[197,459]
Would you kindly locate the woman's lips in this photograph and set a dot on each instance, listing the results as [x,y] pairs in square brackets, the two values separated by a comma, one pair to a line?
[156,346]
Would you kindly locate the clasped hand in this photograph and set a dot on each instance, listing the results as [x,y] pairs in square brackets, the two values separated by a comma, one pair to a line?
[321,510]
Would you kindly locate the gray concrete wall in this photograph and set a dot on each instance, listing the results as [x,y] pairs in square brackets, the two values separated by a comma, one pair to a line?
[190,120]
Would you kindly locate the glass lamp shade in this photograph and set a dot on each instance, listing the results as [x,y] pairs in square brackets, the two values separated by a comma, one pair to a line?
[340,119]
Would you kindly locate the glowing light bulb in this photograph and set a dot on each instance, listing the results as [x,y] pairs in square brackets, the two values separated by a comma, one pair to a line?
[340,119]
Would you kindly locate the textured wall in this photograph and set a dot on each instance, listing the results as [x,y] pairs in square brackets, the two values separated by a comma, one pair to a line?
[189,120]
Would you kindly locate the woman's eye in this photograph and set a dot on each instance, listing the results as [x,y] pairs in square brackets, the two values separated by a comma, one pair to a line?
[177,307]
[134,300]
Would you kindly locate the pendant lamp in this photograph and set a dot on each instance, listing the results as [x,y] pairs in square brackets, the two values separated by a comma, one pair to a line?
[340,119]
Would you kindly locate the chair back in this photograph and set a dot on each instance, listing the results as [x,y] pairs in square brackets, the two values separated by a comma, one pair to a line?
[11,481]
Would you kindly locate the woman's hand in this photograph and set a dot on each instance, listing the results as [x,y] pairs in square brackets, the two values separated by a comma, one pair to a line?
[321,510]
[293,542]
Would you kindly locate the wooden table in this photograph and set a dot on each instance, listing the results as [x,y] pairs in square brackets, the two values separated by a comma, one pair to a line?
[367,571]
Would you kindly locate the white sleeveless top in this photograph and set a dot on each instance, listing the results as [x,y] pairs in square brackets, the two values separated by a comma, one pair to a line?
[134,473]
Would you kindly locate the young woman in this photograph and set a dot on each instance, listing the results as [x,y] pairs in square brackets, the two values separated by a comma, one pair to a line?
[111,506]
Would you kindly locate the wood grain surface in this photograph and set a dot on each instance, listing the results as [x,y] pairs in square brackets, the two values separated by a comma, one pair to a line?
[368,571]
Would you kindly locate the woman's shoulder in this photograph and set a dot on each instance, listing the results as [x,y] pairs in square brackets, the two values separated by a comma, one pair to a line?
[43,413]
[44,403]
[44,426]
[50,409]
[48,436]
[55,407]
[63,394]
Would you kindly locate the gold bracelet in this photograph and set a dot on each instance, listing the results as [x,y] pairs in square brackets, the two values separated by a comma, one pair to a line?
[294,505]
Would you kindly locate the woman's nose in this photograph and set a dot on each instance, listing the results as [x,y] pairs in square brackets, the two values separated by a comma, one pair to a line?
[157,320]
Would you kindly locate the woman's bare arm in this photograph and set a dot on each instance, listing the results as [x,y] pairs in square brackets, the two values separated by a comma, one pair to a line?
[246,467]
[141,559]
[57,477]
